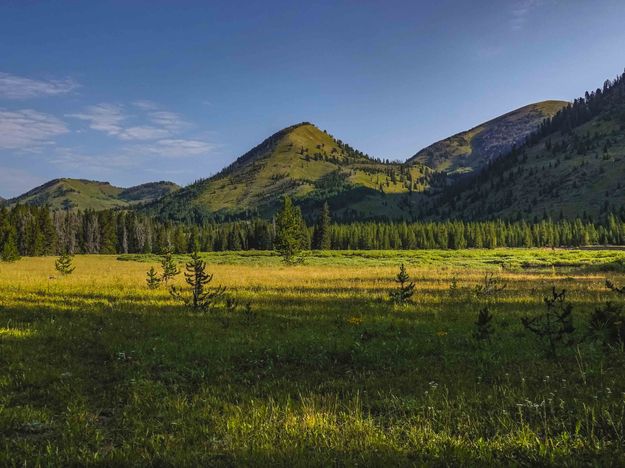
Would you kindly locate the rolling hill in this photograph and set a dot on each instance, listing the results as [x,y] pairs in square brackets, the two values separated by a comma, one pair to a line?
[311,166]
[574,166]
[473,149]
[82,194]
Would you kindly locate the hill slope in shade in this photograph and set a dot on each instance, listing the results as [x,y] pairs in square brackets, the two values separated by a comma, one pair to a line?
[311,166]
[83,194]
[470,151]
[575,166]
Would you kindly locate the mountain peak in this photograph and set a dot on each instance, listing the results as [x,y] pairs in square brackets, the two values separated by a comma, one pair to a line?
[305,163]
[473,149]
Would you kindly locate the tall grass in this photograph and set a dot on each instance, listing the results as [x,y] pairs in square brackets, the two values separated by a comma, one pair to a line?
[95,368]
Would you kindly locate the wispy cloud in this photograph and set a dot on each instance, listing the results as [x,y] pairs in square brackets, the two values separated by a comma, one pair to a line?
[147,122]
[169,120]
[131,156]
[70,158]
[144,132]
[107,118]
[28,129]
[19,87]
[179,147]
[156,115]
[521,9]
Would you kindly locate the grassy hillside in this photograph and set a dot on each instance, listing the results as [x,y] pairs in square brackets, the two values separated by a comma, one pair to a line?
[88,194]
[574,167]
[472,150]
[311,166]
[148,192]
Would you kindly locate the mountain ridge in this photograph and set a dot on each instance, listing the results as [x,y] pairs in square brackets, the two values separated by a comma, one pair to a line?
[470,150]
[566,160]
[68,193]
[572,166]
[306,163]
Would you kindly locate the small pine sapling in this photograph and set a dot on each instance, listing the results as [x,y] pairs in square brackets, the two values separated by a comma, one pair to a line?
[490,287]
[64,264]
[405,290]
[555,325]
[153,279]
[453,287]
[201,297]
[249,314]
[230,306]
[169,266]
[483,325]
[607,323]
[612,287]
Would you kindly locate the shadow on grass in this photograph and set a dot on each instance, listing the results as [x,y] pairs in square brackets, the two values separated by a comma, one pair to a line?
[112,382]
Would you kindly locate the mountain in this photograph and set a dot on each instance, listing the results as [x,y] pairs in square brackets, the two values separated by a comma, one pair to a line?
[149,192]
[473,149]
[88,194]
[309,165]
[551,159]
[574,165]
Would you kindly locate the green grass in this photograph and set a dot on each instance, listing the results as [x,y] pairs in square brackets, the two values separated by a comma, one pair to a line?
[97,369]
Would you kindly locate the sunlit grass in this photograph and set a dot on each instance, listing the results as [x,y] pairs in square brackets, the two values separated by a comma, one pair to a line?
[94,367]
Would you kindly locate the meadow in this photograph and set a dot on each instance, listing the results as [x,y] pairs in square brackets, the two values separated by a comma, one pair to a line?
[323,371]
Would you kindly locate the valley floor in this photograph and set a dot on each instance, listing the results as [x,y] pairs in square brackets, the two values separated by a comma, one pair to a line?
[322,370]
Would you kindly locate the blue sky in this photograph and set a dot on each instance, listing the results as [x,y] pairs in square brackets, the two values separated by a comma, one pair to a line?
[133,91]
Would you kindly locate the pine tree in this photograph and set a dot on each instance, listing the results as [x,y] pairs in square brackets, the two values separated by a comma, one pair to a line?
[555,325]
[10,252]
[290,238]
[64,264]
[169,266]
[405,289]
[483,326]
[153,279]
[201,298]
[321,235]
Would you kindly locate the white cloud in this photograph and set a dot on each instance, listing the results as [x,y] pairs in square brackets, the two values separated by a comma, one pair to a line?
[181,147]
[145,104]
[143,133]
[28,129]
[128,157]
[151,123]
[19,87]
[520,11]
[107,118]
[149,133]
[169,120]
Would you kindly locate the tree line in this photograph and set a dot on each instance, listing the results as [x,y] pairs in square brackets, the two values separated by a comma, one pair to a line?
[33,231]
